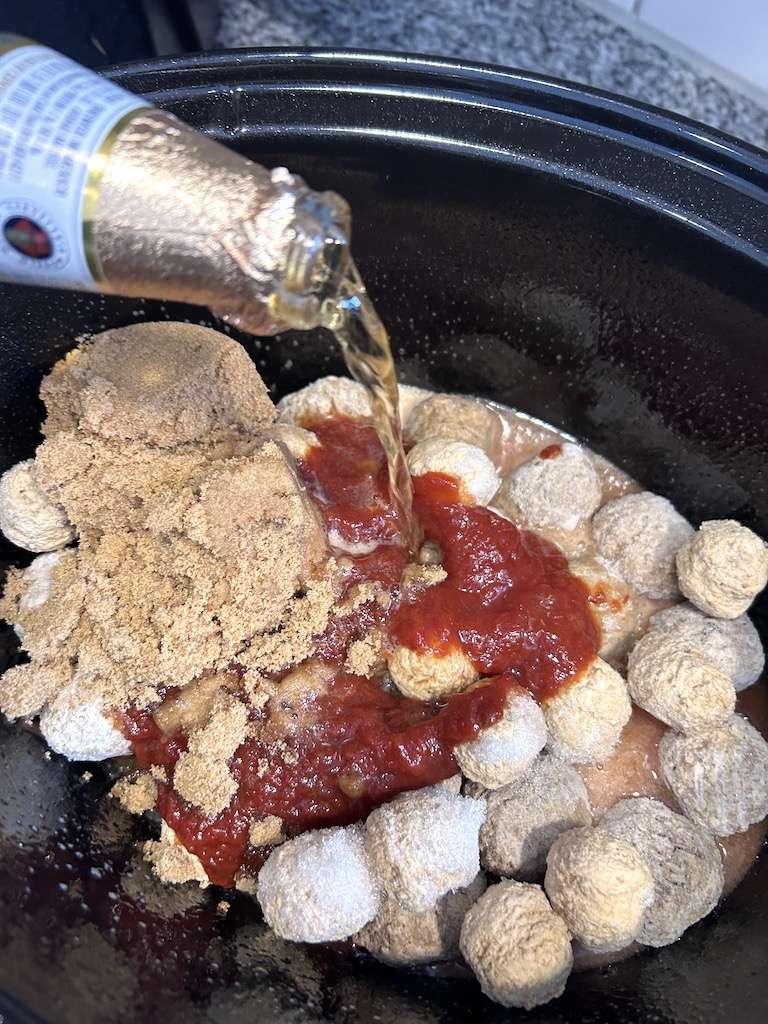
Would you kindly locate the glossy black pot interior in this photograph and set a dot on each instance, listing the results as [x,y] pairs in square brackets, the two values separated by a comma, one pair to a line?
[591,262]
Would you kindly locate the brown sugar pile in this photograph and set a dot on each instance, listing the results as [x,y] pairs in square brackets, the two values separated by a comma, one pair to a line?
[197,544]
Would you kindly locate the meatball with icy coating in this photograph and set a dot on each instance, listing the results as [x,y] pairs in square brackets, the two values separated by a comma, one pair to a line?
[297,441]
[467,464]
[613,604]
[719,777]
[409,396]
[502,752]
[426,676]
[557,490]
[684,860]
[517,946]
[723,568]
[29,518]
[422,847]
[524,818]
[640,534]
[600,885]
[79,728]
[318,887]
[327,396]
[677,684]
[455,418]
[586,716]
[733,645]
[400,937]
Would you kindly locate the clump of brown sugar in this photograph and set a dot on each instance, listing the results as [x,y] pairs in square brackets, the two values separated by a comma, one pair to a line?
[202,775]
[136,794]
[267,831]
[171,862]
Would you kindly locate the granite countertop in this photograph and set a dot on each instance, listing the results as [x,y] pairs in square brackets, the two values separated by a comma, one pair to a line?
[564,38]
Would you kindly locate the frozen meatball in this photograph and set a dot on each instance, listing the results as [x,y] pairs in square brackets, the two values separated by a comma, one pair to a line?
[422,847]
[677,684]
[427,676]
[639,535]
[517,946]
[399,937]
[600,885]
[722,568]
[38,581]
[318,886]
[467,464]
[297,441]
[28,517]
[502,752]
[719,777]
[585,718]
[557,490]
[80,729]
[733,645]
[328,396]
[613,604]
[684,860]
[524,818]
[456,418]
[409,396]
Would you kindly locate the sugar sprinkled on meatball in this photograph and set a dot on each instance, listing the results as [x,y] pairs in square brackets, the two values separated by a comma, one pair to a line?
[318,886]
[517,946]
[722,568]
[80,729]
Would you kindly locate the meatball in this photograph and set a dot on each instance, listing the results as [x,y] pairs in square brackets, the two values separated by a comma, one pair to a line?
[640,534]
[722,568]
[79,728]
[427,676]
[467,464]
[456,418]
[557,490]
[585,718]
[28,517]
[684,860]
[733,645]
[38,581]
[318,886]
[517,946]
[421,847]
[524,818]
[612,602]
[600,885]
[409,396]
[398,936]
[295,440]
[677,684]
[719,777]
[327,396]
[502,752]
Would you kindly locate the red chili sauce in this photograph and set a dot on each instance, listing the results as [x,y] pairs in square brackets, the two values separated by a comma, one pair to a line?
[509,601]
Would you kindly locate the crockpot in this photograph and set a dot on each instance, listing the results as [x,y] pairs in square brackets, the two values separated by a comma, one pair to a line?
[596,263]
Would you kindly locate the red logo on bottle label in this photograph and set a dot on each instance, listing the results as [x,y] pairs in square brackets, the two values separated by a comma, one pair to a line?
[27,237]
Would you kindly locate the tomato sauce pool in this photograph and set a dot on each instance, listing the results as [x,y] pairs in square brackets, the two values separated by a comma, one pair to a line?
[509,602]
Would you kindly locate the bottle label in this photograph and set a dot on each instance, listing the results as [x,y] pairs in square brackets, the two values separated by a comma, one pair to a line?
[57,123]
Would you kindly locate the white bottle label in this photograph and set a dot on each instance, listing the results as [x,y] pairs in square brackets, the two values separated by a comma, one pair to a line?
[55,117]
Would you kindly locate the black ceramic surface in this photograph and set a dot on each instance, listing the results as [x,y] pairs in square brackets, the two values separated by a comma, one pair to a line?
[592,262]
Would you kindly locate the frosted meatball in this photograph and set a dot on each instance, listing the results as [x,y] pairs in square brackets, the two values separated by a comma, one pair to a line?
[639,535]
[297,441]
[557,490]
[427,676]
[399,937]
[733,645]
[613,603]
[600,885]
[38,581]
[455,418]
[684,860]
[80,729]
[517,946]
[502,752]
[467,464]
[327,396]
[28,517]
[677,684]
[719,777]
[318,886]
[585,718]
[524,818]
[423,847]
[722,568]
[409,396]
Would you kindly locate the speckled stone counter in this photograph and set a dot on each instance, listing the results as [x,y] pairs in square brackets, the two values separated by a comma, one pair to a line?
[564,38]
